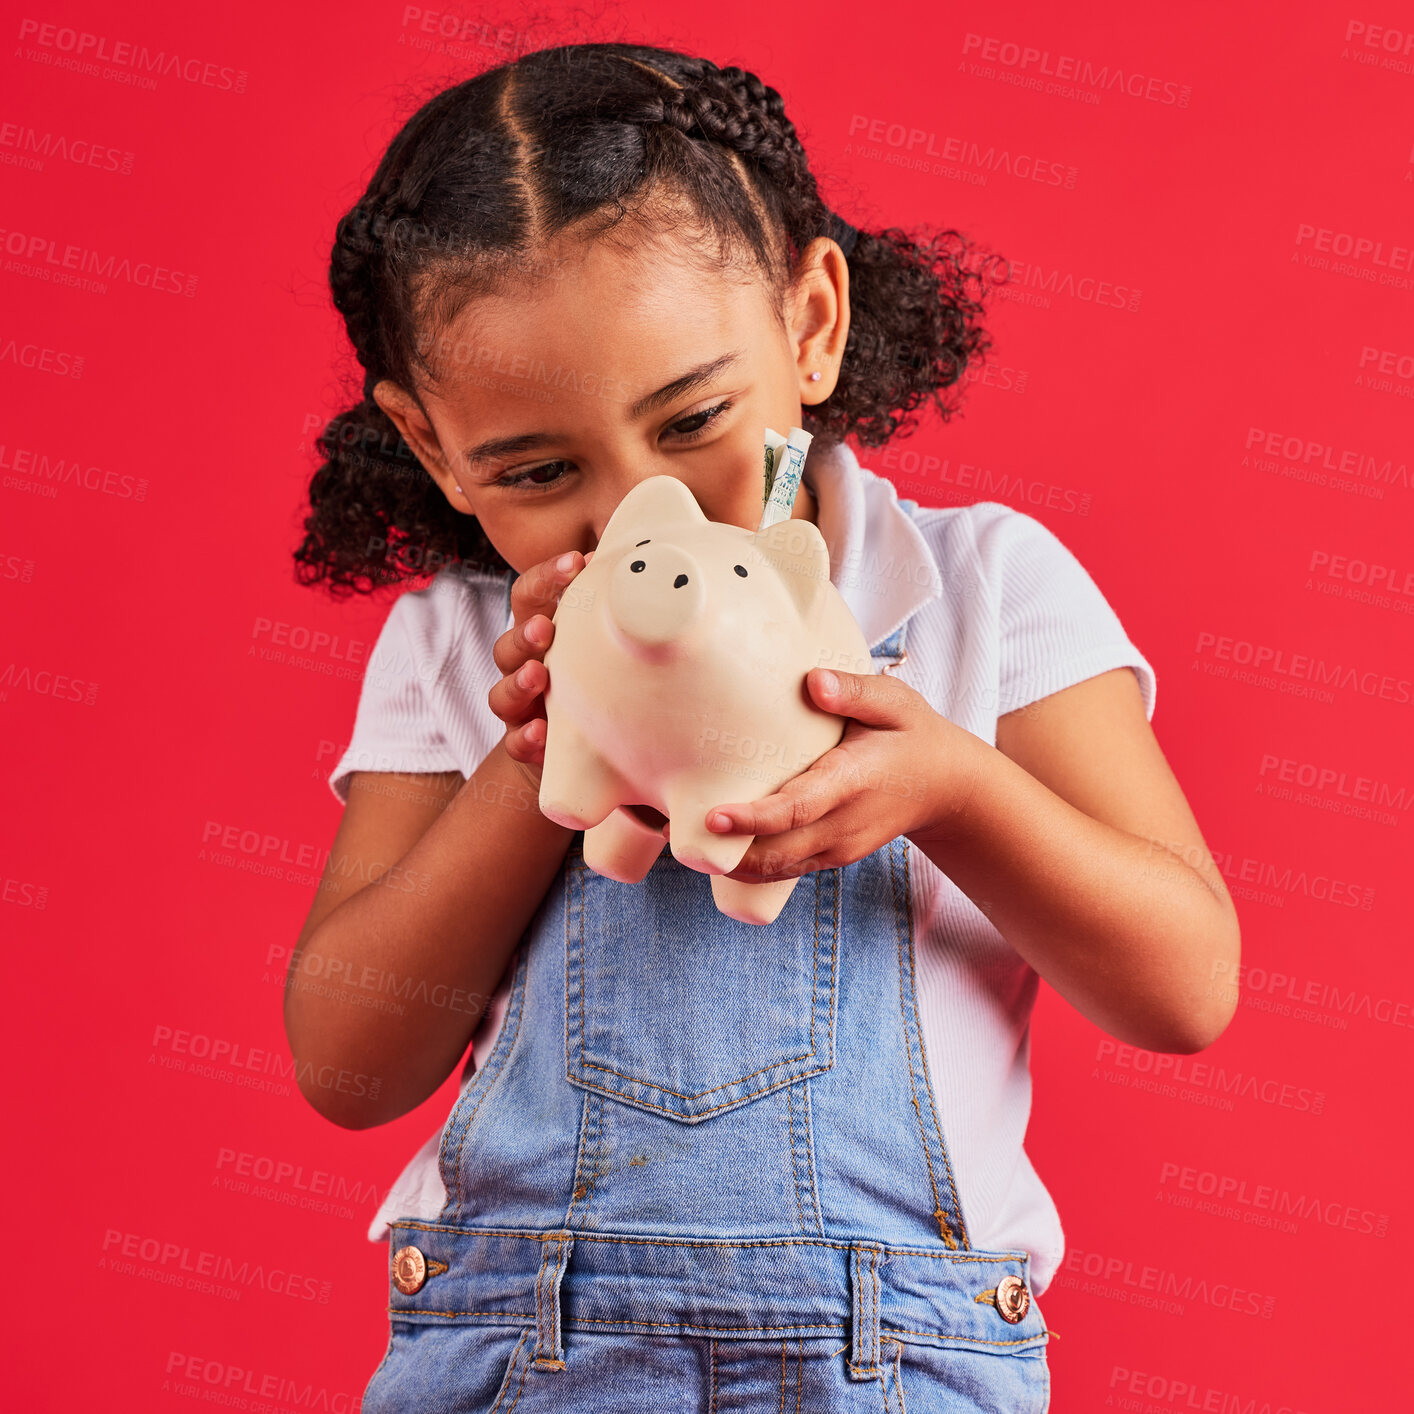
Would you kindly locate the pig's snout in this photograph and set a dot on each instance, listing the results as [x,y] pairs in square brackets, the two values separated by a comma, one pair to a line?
[657,592]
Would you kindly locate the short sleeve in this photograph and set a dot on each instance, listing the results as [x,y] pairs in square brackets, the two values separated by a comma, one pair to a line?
[1056,627]
[395,728]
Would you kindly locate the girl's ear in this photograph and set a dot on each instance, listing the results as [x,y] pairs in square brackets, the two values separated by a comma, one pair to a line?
[420,435]
[658,503]
[818,317]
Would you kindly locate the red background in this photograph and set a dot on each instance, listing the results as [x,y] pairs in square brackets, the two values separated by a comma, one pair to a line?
[1133,424]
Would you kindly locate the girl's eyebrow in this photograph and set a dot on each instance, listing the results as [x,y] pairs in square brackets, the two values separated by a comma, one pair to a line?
[693,378]
[497,447]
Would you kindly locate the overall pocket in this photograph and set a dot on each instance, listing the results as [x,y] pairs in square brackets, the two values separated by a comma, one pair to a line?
[675,1008]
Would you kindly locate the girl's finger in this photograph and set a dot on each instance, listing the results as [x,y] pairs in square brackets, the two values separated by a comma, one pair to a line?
[538,589]
[800,802]
[526,743]
[877,699]
[511,698]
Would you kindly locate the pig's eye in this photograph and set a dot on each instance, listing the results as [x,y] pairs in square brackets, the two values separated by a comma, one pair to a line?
[638,567]
[740,569]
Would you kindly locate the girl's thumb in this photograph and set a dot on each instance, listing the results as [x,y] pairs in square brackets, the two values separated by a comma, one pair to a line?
[856,695]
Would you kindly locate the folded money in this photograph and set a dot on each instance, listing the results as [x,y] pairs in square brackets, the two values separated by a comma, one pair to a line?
[785,464]
[775,449]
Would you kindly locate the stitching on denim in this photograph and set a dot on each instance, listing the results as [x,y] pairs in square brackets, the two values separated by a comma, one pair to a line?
[577,873]
[711,1109]
[799,1371]
[506,1383]
[795,1184]
[898,1375]
[600,1129]
[870,1351]
[539,1284]
[712,1379]
[999,1255]
[546,1292]
[874,1319]
[726,1085]
[809,1122]
[874,1309]
[944,1228]
[581,1189]
[553,1296]
[579,870]
[492,1072]
[798,1360]
[629,1325]
[969,1339]
[795,1174]
[923,1053]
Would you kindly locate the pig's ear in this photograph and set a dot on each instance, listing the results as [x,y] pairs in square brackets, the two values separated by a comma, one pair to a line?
[798,550]
[656,506]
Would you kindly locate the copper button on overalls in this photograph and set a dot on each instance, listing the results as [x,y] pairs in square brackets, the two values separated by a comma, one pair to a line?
[409,1270]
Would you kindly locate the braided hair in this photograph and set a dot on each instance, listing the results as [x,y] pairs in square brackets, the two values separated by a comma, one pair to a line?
[485,174]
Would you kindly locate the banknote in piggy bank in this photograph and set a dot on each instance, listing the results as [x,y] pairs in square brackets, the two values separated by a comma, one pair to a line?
[677,683]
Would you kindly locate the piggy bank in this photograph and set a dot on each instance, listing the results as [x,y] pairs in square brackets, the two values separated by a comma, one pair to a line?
[677,683]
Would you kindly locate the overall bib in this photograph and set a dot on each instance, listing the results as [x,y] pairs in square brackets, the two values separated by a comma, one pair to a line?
[703,1168]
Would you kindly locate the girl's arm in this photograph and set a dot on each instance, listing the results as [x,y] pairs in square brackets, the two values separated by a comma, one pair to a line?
[1076,841]
[387,984]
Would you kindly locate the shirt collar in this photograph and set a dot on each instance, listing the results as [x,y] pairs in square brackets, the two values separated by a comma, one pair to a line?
[879,559]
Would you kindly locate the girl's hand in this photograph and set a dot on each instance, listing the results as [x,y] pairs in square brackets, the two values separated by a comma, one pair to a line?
[518,699]
[900,769]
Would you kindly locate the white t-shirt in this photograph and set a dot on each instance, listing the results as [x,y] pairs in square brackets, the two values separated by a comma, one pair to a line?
[1005,614]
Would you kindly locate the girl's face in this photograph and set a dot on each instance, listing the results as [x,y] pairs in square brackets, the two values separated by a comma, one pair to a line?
[626,364]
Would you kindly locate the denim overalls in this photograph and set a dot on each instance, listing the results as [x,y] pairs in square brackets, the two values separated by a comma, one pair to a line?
[703,1168]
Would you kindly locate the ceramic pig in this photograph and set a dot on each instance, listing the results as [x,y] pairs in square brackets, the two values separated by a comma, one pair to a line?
[677,681]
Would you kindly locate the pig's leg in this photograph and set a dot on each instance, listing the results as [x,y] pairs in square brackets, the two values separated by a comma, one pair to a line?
[577,787]
[689,799]
[622,847]
[751,903]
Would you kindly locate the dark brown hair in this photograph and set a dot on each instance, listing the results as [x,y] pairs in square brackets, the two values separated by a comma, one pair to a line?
[486,172]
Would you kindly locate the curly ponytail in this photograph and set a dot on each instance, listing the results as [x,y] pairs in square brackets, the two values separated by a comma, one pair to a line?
[483,175]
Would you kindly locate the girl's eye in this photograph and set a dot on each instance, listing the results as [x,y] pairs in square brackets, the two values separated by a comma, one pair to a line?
[521,481]
[703,421]
[688,429]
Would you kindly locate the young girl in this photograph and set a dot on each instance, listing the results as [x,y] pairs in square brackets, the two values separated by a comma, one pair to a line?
[696,1163]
